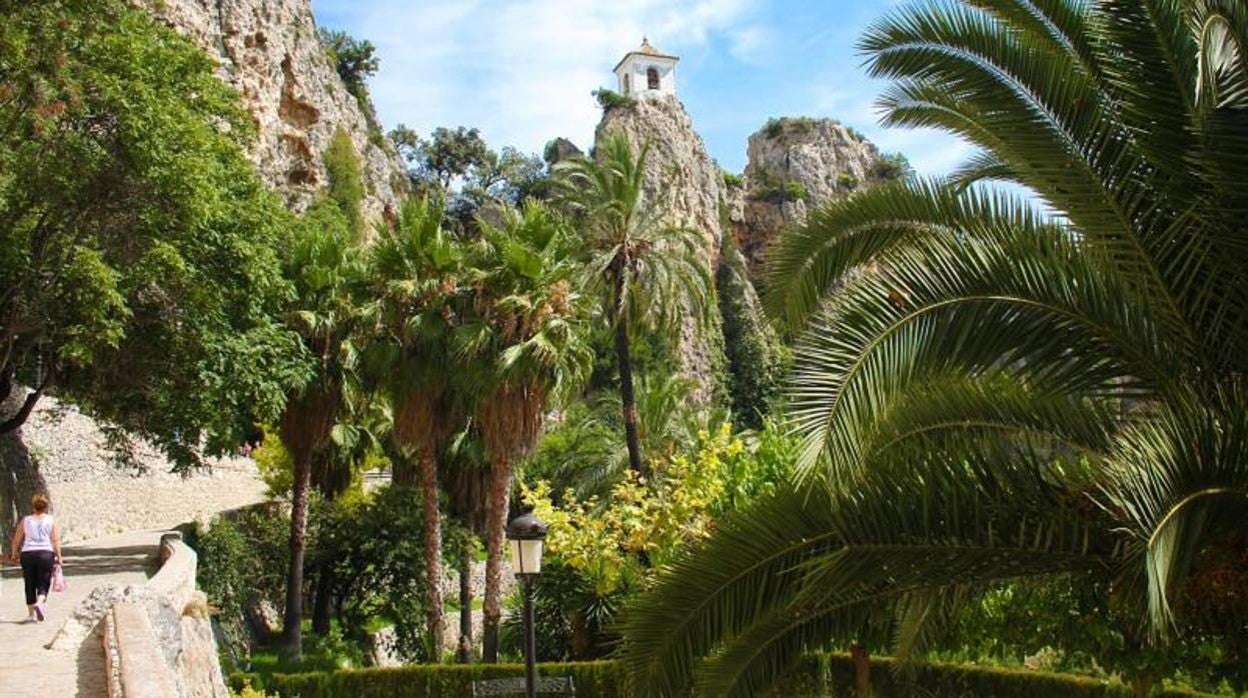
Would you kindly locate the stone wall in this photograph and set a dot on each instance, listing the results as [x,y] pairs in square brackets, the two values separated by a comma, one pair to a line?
[158,639]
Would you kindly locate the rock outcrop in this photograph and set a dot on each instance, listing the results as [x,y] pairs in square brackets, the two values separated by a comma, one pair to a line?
[795,164]
[269,51]
[683,181]
[681,178]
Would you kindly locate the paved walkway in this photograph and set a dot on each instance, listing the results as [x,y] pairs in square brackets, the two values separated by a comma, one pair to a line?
[26,668]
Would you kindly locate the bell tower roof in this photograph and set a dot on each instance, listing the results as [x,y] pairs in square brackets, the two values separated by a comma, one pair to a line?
[646,49]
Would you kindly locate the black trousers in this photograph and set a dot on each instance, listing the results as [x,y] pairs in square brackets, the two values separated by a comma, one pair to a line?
[37,573]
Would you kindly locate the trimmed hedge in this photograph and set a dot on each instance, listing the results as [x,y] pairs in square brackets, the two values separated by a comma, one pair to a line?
[822,675]
[592,679]
[833,675]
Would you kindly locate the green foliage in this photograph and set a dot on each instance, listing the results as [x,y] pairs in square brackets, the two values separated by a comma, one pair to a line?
[756,356]
[276,467]
[815,675]
[138,244]
[768,187]
[732,179]
[833,675]
[592,680]
[355,60]
[846,181]
[610,99]
[855,134]
[891,167]
[373,546]
[242,562]
[794,191]
[798,125]
[990,390]
[346,183]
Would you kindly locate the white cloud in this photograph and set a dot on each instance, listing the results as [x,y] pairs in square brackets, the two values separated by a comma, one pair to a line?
[523,70]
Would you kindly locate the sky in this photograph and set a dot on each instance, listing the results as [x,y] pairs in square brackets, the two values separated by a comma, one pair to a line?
[522,70]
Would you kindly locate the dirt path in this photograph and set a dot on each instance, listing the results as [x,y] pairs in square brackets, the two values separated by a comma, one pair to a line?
[26,668]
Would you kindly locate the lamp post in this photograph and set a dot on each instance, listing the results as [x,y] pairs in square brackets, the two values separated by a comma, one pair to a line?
[526,534]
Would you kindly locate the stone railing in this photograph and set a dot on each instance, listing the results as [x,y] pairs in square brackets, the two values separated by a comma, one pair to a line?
[158,640]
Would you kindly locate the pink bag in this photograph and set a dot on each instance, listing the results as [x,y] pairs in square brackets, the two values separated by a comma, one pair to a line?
[58,579]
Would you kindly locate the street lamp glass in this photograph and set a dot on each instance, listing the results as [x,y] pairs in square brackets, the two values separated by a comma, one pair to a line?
[526,556]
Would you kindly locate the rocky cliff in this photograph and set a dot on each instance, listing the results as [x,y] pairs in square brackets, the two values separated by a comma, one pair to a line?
[683,181]
[795,164]
[269,51]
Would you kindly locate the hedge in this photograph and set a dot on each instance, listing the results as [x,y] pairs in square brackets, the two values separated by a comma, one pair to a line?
[592,680]
[820,675]
[833,675]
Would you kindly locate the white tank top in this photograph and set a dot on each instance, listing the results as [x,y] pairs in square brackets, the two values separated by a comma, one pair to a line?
[38,532]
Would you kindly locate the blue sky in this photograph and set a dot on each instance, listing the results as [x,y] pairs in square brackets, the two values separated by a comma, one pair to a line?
[522,70]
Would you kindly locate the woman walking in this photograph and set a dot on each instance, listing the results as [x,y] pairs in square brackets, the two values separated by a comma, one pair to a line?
[39,542]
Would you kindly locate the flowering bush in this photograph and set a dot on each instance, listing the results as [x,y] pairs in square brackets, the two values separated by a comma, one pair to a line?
[645,522]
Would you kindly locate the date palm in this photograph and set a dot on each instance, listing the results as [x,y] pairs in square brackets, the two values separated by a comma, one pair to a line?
[327,274]
[644,271]
[987,389]
[417,267]
[528,337]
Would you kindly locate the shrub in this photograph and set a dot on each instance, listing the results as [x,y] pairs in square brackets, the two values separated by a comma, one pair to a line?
[794,191]
[767,187]
[774,128]
[847,181]
[733,180]
[592,680]
[814,675]
[833,675]
[892,166]
[346,183]
[608,99]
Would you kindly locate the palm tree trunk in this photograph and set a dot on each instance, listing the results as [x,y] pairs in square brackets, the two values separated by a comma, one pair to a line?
[464,656]
[433,549]
[495,524]
[1141,685]
[862,670]
[403,472]
[292,633]
[624,361]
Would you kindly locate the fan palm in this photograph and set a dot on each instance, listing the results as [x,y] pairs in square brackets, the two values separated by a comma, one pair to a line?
[528,336]
[988,389]
[326,271]
[417,266]
[644,271]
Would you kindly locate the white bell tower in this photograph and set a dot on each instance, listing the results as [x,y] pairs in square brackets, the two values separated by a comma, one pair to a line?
[646,71]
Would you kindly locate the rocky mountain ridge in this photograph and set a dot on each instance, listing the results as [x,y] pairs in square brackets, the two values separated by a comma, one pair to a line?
[269,51]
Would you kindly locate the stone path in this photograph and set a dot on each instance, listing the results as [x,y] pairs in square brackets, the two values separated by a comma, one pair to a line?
[26,667]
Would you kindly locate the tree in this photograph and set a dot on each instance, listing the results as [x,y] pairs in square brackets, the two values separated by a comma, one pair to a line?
[355,60]
[644,272]
[528,336]
[988,392]
[138,267]
[417,268]
[327,272]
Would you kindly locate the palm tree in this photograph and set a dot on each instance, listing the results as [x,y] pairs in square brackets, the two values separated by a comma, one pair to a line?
[644,271]
[417,267]
[325,269]
[987,389]
[528,334]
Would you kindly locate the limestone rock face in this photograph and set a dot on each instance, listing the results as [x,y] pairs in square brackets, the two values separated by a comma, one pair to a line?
[794,164]
[269,51]
[681,177]
[683,181]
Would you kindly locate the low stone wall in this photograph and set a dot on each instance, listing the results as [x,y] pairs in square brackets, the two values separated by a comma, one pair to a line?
[158,639]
